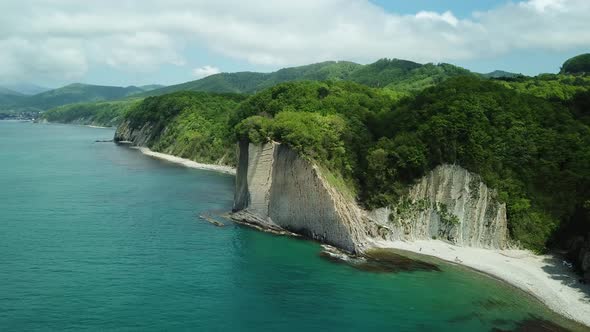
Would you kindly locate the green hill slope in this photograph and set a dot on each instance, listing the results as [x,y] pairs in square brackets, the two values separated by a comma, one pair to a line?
[535,152]
[77,93]
[396,75]
[106,114]
[193,125]
[577,65]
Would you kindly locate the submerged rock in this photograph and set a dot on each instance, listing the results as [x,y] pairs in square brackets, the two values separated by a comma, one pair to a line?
[378,260]
[534,324]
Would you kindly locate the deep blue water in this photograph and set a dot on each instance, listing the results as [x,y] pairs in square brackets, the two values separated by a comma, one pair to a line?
[94,236]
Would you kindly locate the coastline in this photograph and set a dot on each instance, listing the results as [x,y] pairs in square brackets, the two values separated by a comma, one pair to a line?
[99,127]
[542,276]
[185,162]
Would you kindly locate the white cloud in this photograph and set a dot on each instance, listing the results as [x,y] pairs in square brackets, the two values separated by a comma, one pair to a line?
[59,38]
[205,71]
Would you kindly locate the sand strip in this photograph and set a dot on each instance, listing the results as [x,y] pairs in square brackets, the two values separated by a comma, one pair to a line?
[186,162]
[543,276]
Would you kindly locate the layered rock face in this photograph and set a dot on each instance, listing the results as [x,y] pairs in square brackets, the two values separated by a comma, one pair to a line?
[139,137]
[275,188]
[449,203]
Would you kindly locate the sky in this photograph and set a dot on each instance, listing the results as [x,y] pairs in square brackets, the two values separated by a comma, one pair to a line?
[137,42]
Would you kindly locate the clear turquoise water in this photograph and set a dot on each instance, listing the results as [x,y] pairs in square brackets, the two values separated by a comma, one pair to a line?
[99,237]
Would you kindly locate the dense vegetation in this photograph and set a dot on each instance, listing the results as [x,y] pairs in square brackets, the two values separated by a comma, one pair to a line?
[192,125]
[105,114]
[70,94]
[9,98]
[399,76]
[577,65]
[535,152]
[548,86]
[78,93]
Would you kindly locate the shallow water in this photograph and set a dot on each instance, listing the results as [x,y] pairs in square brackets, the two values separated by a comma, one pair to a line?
[99,237]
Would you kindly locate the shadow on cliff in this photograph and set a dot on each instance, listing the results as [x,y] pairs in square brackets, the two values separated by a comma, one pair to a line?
[554,266]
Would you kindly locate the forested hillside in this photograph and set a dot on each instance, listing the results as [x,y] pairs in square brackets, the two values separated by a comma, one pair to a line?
[192,125]
[77,93]
[535,152]
[397,75]
[106,114]
[18,104]
[528,138]
[577,65]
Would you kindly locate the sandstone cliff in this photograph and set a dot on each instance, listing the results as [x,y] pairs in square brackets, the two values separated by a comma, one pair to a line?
[276,188]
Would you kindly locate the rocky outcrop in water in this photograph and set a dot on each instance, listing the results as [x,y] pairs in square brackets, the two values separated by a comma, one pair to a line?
[278,189]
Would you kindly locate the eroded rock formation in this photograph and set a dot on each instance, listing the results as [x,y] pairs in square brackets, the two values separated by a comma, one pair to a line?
[278,189]
[451,204]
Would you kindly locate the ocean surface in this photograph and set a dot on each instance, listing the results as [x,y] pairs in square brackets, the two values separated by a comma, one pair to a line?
[98,237]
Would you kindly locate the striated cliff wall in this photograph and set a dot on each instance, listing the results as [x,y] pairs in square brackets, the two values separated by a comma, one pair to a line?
[451,204]
[275,188]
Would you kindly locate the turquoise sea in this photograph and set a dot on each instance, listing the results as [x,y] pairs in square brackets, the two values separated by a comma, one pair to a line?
[98,237]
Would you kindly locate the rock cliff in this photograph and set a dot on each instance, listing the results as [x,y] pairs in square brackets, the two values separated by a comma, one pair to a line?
[451,204]
[139,137]
[276,188]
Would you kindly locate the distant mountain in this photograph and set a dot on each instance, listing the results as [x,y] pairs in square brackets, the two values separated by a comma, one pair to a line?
[251,82]
[395,74]
[9,98]
[9,92]
[9,101]
[26,88]
[501,74]
[77,93]
[151,87]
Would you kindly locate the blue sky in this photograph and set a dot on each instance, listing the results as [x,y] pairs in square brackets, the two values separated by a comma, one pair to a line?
[461,8]
[173,41]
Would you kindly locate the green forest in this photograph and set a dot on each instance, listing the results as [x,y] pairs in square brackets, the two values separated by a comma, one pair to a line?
[534,151]
[105,114]
[192,125]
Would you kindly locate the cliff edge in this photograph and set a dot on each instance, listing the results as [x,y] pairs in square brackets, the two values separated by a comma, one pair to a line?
[277,189]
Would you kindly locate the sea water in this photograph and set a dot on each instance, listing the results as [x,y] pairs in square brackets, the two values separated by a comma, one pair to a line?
[95,236]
